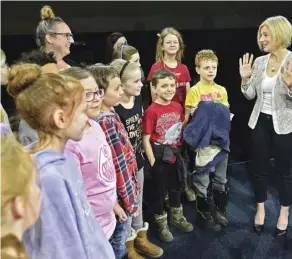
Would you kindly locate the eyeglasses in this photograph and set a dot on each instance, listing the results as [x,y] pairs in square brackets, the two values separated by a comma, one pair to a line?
[91,95]
[66,34]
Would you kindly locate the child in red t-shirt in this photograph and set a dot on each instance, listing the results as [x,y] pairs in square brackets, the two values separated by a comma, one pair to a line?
[162,139]
[169,52]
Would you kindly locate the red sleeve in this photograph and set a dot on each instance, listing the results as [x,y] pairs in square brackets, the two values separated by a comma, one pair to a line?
[156,66]
[149,121]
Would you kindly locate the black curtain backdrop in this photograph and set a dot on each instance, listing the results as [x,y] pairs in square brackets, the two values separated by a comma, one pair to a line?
[229,45]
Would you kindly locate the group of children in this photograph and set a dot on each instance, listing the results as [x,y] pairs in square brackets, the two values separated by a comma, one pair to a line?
[94,141]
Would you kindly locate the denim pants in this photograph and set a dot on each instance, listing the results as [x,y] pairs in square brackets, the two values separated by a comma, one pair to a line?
[118,240]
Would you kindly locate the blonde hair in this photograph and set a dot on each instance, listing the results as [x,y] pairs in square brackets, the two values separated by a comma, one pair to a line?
[17,175]
[281,31]
[125,52]
[161,36]
[205,55]
[127,67]
[46,25]
[37,95]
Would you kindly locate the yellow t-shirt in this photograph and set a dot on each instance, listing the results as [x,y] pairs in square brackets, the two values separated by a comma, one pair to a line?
[203,92]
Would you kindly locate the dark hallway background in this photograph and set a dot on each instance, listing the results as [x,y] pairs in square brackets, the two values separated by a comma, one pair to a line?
[229,28]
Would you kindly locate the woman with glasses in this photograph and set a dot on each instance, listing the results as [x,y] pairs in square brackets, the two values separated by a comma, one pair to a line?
[54,35]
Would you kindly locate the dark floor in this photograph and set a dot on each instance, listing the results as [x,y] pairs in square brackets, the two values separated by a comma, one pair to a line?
[237,241]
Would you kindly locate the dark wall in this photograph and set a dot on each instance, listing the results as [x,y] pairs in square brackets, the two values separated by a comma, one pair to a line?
[229,44]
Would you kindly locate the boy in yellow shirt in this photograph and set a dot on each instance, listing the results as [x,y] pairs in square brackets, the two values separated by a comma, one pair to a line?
[211,208]
[206,89]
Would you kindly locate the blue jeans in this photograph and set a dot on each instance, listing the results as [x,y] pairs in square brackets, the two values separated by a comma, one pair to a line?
[118,240]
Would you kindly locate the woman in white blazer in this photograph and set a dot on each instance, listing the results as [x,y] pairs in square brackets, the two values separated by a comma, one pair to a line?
[269,79]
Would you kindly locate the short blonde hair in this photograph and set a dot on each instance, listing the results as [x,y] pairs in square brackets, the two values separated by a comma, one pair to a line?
[280,28]
[205,55]
[161,36]
[125,52]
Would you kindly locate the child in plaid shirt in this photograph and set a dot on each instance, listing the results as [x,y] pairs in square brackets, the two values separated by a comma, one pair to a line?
[123,153]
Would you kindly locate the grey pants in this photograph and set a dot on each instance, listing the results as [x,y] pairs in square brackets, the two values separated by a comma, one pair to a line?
[201,181]
[137,222]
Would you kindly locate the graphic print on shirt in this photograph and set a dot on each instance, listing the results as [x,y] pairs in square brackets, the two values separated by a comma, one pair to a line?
[215,96]
[169,127]
[134,129]
[105,166]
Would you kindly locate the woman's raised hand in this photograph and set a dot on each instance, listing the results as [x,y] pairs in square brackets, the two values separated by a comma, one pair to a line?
[245,66]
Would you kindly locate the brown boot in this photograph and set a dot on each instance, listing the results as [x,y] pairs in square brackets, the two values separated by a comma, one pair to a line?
[132,254]
[144,246]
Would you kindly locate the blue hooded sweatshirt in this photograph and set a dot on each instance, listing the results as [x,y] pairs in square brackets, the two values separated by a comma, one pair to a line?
[67,227]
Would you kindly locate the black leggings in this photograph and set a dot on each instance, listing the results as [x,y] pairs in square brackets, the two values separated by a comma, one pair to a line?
[265,140]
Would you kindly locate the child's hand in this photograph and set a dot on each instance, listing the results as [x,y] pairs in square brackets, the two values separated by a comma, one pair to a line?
[120,213]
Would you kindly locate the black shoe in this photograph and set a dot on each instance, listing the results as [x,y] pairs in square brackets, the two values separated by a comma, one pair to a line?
[259,229]
[220,202]
[204,218]
[280,232]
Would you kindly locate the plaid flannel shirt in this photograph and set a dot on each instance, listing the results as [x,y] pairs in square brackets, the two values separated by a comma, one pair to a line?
[124,160]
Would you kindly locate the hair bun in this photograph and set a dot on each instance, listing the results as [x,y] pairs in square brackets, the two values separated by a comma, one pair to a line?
[47,13]
[21,77]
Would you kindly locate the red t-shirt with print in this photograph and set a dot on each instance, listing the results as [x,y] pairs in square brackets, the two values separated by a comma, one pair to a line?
[164,123]
[182,78]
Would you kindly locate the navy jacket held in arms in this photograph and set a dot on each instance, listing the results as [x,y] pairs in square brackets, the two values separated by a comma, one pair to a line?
[210,126]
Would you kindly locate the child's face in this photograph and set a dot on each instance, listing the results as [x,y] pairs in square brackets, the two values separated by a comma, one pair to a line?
[165,89]
[170,44]
[93,96]
[113,93]
[136,59]
[77,122]
[133,86]
[207,70]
